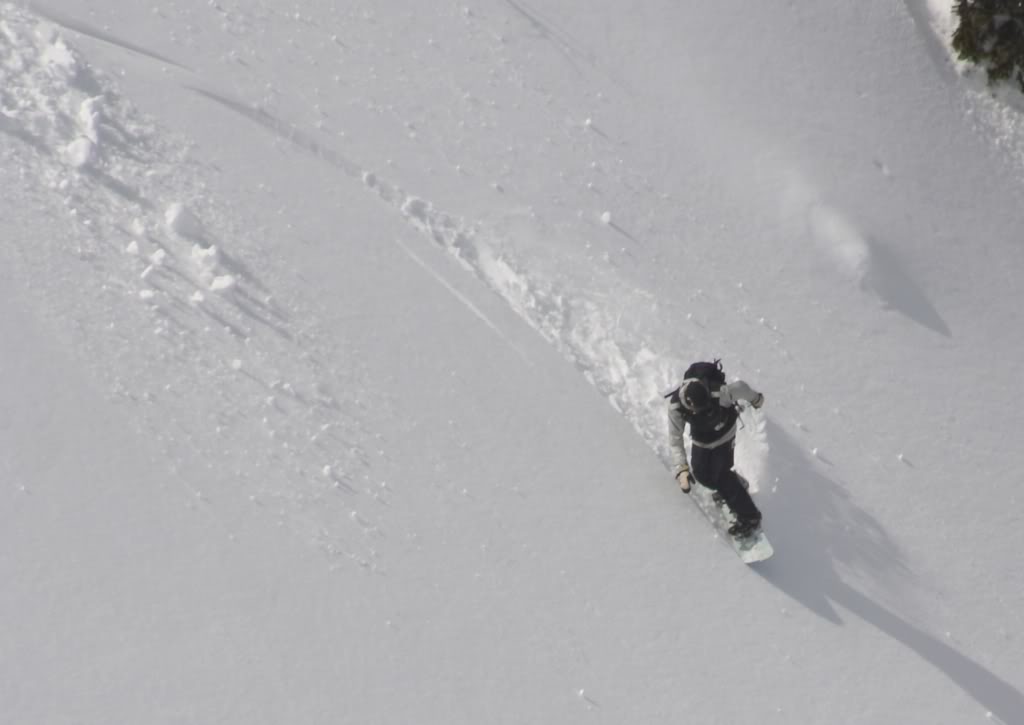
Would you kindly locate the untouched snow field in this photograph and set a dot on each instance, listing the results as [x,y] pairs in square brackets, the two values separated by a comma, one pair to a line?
[334,338]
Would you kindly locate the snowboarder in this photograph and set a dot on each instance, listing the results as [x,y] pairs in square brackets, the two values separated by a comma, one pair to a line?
[709,405]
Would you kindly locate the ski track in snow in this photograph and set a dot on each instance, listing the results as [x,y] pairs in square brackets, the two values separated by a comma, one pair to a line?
[78,26]
[477,312]
[149,268]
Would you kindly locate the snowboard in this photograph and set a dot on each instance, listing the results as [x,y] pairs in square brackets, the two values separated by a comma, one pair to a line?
[753,548]
[750,549]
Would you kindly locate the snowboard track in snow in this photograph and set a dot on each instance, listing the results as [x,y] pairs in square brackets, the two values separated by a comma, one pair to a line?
[622,365]
[137,281]
[234,314]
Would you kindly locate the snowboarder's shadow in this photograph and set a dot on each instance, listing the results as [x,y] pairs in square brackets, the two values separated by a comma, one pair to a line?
[817,529]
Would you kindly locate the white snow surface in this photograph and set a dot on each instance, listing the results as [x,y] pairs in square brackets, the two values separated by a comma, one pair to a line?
[313,311]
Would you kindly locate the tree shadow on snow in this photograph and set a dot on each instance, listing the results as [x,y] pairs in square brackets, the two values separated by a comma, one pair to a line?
[817,529]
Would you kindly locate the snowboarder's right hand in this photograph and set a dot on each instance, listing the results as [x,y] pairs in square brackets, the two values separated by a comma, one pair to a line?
[685,479]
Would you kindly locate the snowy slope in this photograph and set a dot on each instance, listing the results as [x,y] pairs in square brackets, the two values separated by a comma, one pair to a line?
[323,287]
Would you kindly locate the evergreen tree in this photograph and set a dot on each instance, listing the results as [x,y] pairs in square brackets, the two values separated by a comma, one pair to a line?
[991,34]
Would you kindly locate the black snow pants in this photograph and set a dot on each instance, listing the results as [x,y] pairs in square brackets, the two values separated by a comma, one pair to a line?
[712,467]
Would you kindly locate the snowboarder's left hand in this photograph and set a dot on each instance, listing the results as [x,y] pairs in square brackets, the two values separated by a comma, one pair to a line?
[685,479]
[758,401]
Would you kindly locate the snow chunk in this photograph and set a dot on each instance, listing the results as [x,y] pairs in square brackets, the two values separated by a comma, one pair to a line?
[132,248]
[89,118]
[181,221]
[79,153]
[222,282]
[417,208]
[58,57]
[206,258]
[606,218]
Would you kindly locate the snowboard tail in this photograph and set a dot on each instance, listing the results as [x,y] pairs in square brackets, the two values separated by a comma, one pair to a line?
[751,548]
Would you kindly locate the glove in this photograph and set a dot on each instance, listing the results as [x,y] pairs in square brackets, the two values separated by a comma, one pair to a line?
[758,401]
[685,479]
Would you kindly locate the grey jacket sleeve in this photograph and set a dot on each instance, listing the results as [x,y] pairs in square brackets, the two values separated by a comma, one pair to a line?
[676,426]
[735,392]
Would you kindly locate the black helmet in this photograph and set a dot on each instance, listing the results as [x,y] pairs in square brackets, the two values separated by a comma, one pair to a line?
[695,395]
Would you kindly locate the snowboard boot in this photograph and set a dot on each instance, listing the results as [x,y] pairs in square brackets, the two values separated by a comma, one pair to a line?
[744,527]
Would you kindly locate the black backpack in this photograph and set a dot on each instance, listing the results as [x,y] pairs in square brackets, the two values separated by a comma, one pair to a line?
[713,377]
[709,423]
[710,372]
